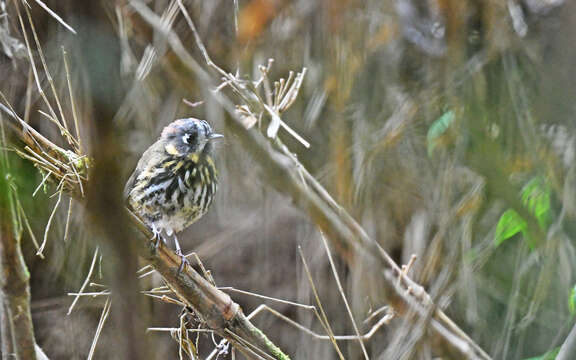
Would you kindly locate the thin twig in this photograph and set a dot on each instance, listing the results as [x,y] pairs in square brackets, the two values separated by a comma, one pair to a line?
[72,102]
[56,16]
[85,283]
[101,322]
[341,290]
[47,228]
[324,319]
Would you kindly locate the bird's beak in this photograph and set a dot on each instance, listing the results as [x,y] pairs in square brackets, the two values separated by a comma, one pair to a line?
[215,137]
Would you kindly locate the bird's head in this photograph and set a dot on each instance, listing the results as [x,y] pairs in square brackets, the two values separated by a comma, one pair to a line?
[186,136]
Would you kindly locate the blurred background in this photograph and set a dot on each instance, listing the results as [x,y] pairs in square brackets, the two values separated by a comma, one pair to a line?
[444,127]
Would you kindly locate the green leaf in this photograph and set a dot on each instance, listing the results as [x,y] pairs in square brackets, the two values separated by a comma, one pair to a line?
[439,128]
[510,224]
[536,197]
[549,355]
[572,301]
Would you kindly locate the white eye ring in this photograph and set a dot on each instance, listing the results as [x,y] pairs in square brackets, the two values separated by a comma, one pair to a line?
[185,138]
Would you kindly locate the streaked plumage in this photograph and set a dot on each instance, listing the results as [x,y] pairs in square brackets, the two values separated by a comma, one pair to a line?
[175,180]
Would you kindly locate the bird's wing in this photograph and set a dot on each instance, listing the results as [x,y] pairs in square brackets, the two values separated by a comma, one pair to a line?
[130,183]
[149,158]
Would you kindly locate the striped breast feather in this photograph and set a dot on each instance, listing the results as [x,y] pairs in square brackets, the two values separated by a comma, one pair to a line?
[185,174]
[152,190]
[150,182]
[175,178]
[210,181]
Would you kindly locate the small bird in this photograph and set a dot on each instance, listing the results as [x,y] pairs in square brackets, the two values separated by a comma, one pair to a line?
[175,179]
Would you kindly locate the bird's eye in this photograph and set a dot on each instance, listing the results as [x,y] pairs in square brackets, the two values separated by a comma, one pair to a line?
[190,138]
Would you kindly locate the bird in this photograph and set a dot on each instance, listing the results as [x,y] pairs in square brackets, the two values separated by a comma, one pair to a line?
[175,180]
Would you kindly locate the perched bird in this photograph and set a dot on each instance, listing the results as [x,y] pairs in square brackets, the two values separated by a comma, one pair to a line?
[175,179]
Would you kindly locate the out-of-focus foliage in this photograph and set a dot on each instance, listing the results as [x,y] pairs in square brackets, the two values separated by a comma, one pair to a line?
[549,355]
[438,130]
[572,301]
[509,225]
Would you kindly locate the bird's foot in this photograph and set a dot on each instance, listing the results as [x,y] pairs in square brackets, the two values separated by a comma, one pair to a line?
[183,259]
[179,253]
[157,237]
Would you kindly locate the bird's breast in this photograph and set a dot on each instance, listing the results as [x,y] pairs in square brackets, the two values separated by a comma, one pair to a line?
[176,192]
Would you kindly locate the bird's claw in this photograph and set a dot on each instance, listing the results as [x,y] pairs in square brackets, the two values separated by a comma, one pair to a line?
[157,237]
[157,240]
[183,259]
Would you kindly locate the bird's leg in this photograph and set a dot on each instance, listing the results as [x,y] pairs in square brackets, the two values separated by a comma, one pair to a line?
[179,253]
[156,236]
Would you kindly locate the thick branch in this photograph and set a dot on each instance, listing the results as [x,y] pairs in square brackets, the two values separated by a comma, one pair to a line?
[216,308]
[14,278]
